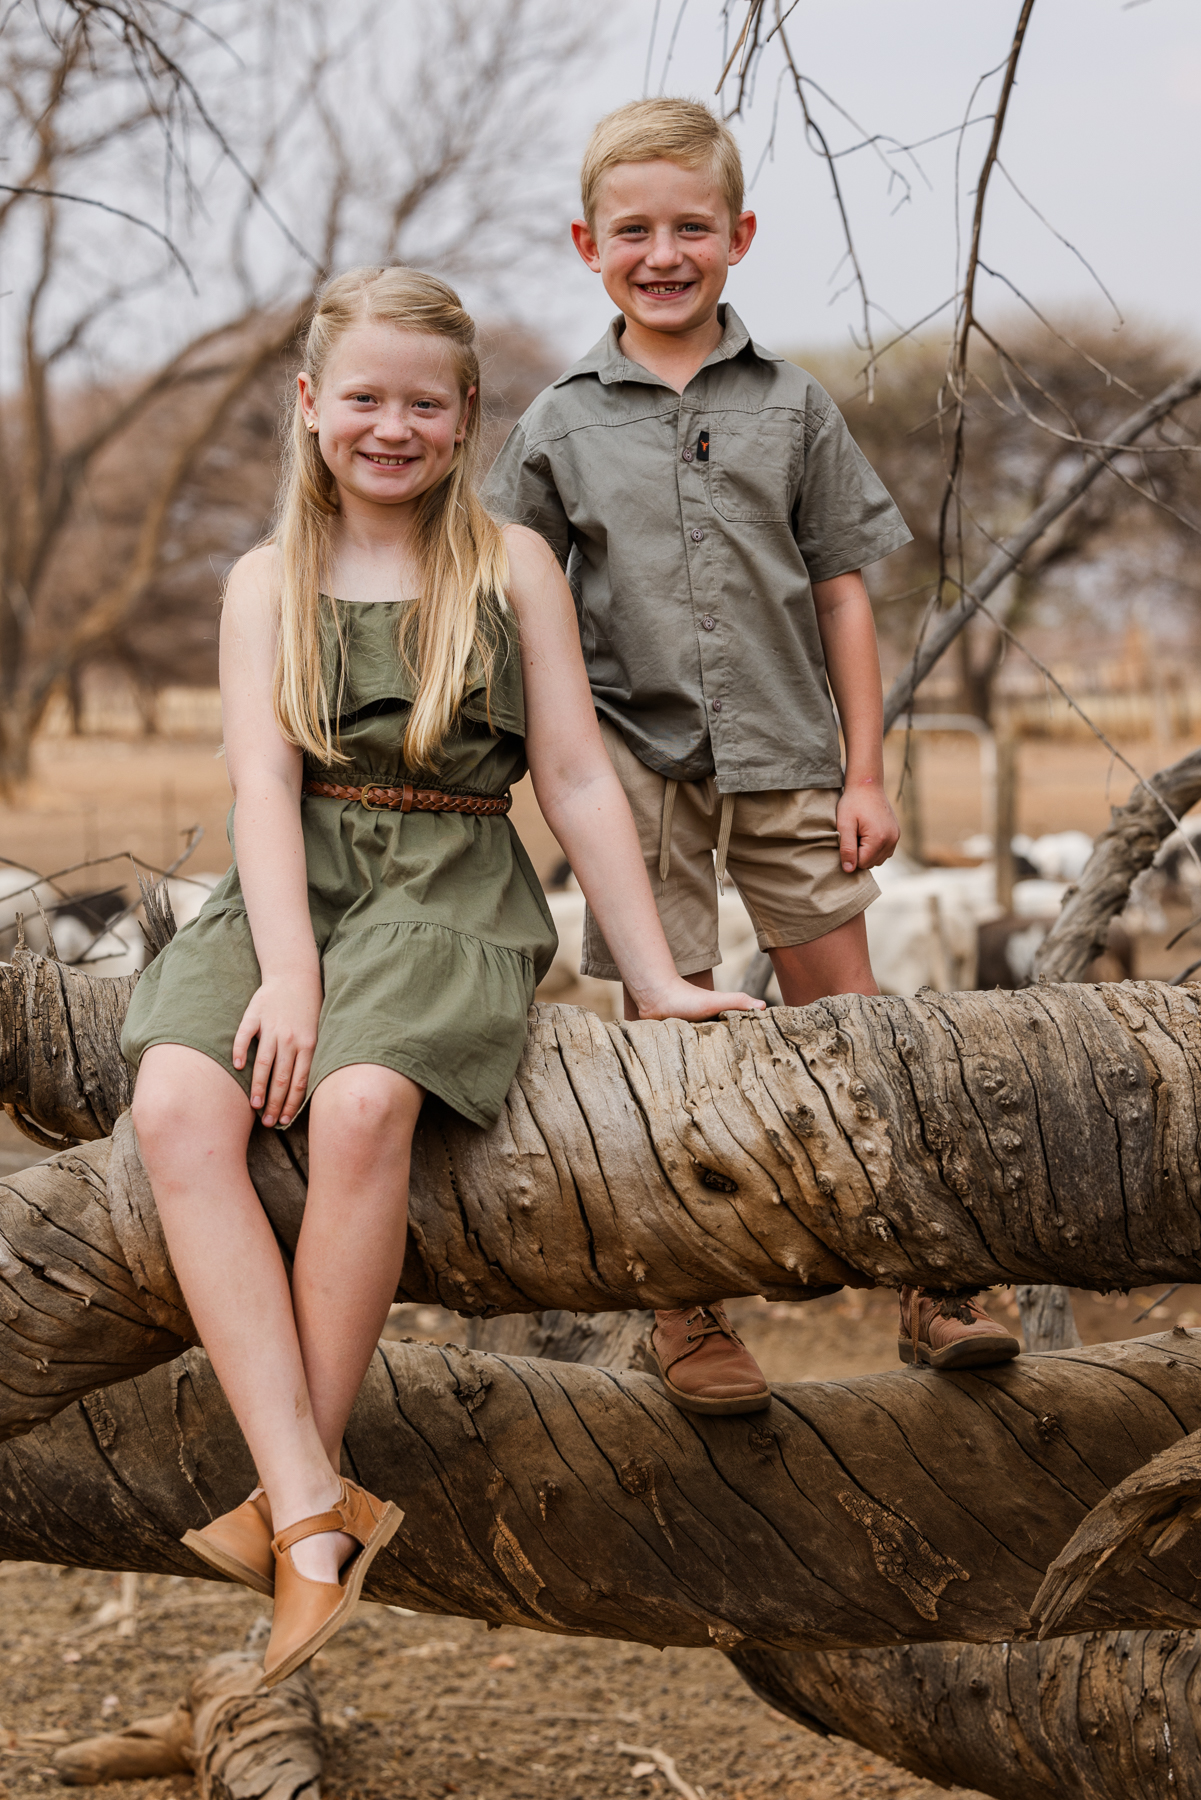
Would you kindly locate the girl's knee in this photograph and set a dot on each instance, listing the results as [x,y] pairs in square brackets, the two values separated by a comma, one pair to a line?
[365,1104]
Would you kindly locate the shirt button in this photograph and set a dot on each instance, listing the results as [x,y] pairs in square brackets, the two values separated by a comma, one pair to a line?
[717,706]
[686,455]
[709,624]
[697,535]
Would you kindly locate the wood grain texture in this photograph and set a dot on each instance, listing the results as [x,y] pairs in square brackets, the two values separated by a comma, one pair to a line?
[949,1140]
[902,1507]
[1112,1715]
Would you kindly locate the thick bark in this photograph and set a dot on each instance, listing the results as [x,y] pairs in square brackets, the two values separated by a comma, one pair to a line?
[1124,850]
[962,1139]
[1112,1715]
[899,1507]
[1142,1518]
[1105,1716]
[952,1139]
[241,1740]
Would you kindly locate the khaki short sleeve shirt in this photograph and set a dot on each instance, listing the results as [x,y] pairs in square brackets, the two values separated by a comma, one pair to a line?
[691,526]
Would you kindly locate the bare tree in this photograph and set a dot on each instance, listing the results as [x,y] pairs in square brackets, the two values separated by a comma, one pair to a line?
[176,197]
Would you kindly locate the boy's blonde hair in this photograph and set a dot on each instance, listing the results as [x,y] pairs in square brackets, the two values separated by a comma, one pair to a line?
[459,546]
[678,131]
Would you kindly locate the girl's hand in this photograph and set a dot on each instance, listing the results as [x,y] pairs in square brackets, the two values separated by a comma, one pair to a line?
[867,826]
[283,1015]
[680,999]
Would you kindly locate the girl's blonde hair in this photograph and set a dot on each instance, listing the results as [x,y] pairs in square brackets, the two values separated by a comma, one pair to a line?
[458,545]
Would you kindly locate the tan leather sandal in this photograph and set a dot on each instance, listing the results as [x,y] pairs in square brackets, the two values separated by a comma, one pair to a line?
[307,1613]
[239,1544]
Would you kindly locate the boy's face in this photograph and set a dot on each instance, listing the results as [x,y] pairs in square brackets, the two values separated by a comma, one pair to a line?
[663,243]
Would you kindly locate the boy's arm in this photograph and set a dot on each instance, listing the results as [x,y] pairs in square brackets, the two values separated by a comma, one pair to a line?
[520,490]
[867,826]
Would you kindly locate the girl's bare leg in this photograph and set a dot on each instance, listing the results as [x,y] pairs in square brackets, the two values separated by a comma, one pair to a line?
[193,1123]
[352,1242]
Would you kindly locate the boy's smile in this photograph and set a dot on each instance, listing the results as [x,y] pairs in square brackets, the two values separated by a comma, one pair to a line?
[663,243]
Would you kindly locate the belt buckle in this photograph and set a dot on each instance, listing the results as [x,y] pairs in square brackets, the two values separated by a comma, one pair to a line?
[372,798]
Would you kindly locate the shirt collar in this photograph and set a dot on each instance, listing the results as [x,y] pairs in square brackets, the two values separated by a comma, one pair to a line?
[607,360]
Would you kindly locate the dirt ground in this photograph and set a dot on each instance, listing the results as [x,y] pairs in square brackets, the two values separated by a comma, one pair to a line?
[423,1706]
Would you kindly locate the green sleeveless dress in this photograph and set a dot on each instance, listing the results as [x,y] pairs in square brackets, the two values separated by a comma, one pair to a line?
[431,927]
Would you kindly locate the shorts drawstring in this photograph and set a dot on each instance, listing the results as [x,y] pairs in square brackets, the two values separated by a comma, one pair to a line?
[669,803]
[723,838]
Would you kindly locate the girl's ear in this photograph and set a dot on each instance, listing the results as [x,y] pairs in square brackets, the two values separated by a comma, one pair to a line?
[461,428]
[308,399]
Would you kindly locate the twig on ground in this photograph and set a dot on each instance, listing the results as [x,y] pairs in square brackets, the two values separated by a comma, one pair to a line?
[659,1759]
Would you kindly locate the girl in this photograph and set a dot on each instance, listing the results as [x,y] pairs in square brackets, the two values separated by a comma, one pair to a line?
[389,660]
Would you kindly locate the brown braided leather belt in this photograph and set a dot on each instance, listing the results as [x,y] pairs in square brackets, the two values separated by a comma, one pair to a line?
[412,799]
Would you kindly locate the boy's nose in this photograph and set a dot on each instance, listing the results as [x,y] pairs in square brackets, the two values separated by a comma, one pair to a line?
[664,252]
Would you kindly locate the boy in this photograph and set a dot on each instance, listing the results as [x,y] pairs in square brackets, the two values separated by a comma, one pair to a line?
[713,514]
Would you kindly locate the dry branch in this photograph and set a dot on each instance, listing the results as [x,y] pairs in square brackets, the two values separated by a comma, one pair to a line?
[946,627]
[1124,850]
[898,1507]
[1143,1517]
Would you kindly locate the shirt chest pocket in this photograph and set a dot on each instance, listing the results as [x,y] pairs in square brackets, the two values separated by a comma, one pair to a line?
[750,466]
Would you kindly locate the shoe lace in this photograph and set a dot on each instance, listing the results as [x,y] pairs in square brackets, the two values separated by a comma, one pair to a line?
[713,1322]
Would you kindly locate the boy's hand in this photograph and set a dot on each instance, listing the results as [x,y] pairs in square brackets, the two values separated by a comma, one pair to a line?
[680,999]
[867,826]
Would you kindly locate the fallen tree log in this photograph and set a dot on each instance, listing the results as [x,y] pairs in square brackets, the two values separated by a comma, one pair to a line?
[1140,1519]
[1104,1716]
[899,1507]
[1111,1715]
[949,1140]
[1124,849]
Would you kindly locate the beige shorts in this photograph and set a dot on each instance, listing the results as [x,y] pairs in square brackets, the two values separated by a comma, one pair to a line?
[781,851]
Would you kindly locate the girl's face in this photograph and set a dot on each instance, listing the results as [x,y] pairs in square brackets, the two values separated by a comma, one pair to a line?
[389,414]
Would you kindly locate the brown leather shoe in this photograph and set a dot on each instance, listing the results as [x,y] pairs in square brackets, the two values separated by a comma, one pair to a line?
[950,1331]
[703,1363]
[307,1613]
[239,1544]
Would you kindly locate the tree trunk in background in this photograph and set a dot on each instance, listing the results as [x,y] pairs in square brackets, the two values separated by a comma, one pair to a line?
[1123,850]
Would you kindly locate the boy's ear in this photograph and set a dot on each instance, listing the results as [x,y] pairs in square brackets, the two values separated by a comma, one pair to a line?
[585,243]
[744,230]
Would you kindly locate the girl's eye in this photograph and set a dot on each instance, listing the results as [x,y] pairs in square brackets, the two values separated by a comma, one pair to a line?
[365,398]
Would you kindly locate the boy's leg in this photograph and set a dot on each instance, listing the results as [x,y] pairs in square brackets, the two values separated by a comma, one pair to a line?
[704,1366]
[784,857]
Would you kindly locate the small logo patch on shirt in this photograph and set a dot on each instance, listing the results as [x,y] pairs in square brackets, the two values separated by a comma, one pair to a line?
[702,447]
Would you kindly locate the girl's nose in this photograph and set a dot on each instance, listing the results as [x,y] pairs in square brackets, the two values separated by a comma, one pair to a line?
[394,426]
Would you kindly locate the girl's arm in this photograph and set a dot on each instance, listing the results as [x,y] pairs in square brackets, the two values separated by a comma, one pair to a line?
[867,826]
[580,795]
[265,774]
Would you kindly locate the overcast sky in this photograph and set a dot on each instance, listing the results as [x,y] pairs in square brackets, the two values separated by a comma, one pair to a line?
[1104,139]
